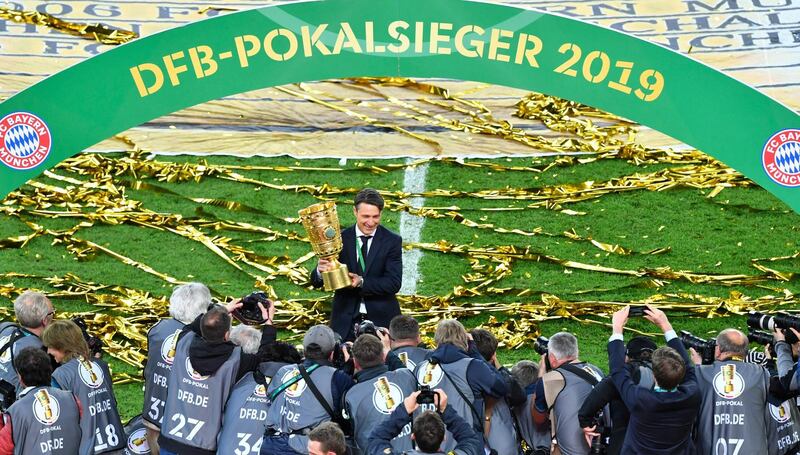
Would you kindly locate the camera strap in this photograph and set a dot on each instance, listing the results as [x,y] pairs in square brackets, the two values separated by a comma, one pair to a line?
[581,373]
[14,337]
[279,390]
[317,394]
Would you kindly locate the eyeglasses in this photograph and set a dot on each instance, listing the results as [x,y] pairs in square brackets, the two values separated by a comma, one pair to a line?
[52,313]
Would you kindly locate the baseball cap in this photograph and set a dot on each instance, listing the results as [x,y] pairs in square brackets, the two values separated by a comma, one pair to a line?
[637,345]
[322,336]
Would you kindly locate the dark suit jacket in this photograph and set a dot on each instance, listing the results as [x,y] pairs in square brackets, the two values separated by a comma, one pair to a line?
[661,422]
[382,280]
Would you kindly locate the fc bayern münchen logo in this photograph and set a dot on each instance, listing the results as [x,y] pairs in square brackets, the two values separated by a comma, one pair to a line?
[24,141]
[781,157]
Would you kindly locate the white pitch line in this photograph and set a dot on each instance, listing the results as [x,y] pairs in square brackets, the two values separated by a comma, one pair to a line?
[411,226]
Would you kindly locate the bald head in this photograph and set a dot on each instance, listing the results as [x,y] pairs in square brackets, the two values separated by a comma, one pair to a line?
[731,342]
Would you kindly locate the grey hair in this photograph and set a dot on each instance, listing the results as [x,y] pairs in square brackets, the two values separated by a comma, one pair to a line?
[189,301]
[525,372]
[247,337]
[727,342]
[31,308]
[451,331]
[563,345]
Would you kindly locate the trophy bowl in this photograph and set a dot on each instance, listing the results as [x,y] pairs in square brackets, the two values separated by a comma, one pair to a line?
[321,223]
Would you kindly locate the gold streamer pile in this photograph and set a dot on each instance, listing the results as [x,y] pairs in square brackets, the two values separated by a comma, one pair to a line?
[93,189]
[98,32]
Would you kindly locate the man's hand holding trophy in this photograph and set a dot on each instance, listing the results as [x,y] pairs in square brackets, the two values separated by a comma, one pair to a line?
[321,223]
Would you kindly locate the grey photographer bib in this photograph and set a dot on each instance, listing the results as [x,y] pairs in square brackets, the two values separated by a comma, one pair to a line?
[245,418]
[7,371]
[431,375]
[296,408]
[45,421]
[783,423]
[566,404]
[732,414]
[368,403]
[162,342]
[193,412]
[534,436]
[411,356]
[90,381]
[503,435]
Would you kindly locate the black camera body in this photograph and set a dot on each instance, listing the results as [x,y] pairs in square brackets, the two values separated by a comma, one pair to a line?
[249,313]
[636,311]
[600,443]
[703,347]
[428,398]
[95,343]
[762,338]
[8,394]
[540,345]
[784,321]
[366,327]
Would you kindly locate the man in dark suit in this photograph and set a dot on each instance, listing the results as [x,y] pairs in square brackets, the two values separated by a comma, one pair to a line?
[661,418]
[373,255]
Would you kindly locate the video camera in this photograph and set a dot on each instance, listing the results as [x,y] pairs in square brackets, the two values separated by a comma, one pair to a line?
[94,342]
[249,313]
[783,321]
[703,347]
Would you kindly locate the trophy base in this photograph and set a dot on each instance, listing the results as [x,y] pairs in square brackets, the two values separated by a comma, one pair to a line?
[336,278]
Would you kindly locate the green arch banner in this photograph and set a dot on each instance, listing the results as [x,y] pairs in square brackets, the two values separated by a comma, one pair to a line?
[293,42]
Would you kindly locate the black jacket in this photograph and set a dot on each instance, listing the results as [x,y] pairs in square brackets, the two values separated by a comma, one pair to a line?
[382,280]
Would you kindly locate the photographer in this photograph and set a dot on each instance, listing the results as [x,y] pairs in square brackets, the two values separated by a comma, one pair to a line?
[89,379]
[561,391]
[499,426]
[428,430]
[244,420]
[43,417]
[660,418]
[457,367]
[734,399]
[377,391]
[537,437]
[205,368]
[783,422]
[638,355]
[404,332]
[303,396]
[185,304]
[33,312]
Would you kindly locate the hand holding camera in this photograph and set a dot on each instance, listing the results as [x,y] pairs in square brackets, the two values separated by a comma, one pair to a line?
[253,309]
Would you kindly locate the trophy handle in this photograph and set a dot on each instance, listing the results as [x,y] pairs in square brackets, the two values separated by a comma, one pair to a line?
[337,277]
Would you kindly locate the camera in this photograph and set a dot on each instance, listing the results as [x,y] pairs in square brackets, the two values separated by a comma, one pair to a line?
[600,443]
[540,345]
[95,343]
[783,321]
[428,398]
[8,394]
[249,313]
[636,311]
[703,347]
[762,338]
[366,326]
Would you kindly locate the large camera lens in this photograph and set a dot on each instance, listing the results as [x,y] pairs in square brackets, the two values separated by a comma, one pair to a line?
[759,337]
[760,321]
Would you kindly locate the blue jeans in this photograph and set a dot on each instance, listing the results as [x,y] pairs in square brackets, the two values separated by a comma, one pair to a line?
[165,452]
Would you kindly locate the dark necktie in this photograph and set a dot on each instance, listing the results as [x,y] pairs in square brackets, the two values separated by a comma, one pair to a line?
[364,244]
